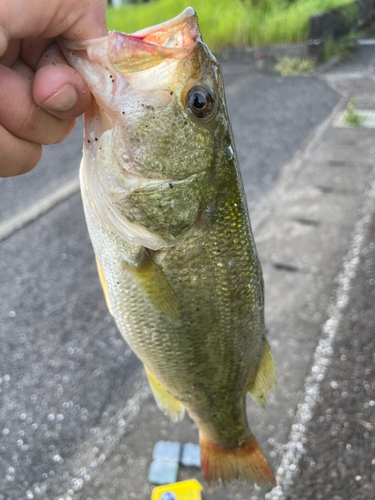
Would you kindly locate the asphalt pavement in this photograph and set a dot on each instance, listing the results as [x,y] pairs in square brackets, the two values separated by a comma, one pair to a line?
[339,462]
[77,421]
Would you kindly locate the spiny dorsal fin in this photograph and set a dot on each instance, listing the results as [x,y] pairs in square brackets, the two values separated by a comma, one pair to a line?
[104,285]
[265,378]
[167,403]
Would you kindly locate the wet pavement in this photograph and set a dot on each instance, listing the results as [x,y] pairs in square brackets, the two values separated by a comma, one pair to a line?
[77,420]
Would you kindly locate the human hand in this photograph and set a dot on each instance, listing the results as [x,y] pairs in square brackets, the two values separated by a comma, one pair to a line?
[40,94]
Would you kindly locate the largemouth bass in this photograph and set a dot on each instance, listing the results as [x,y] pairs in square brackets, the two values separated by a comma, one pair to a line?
[169,223]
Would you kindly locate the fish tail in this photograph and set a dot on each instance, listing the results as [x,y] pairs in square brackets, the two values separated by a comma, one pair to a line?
[246,462]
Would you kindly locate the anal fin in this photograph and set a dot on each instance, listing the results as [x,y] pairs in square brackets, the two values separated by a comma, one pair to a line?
[104,285]
[167,403]
[265,378]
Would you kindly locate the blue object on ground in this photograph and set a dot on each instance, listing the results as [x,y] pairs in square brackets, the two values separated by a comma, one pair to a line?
[190,455]
[166,450]
[162,472]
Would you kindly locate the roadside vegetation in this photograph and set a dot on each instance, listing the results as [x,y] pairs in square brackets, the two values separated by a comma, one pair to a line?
[295,66]
[342,47]
[352,117]
[229,22]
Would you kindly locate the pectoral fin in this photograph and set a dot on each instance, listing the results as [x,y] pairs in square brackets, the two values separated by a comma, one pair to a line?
[156,286]
[265,378]
[167,403]
[104,285]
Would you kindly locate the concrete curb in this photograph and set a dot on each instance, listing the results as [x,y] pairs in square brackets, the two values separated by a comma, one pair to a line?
[263,58]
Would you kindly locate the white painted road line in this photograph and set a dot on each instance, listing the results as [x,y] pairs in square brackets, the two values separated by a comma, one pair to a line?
[294,449]
[38,208]
[366,41]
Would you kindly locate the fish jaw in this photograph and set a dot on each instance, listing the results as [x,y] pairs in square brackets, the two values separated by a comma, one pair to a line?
[107,64]
[127,73]
[181,31]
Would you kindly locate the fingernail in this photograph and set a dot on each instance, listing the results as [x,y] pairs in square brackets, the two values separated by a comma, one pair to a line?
[62,100]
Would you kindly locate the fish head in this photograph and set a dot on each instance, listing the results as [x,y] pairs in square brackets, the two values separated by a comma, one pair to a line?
[160,110]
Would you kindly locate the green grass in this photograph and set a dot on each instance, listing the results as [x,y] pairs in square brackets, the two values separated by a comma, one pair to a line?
[228,22]
[352,118]
[342,47]
[295,66]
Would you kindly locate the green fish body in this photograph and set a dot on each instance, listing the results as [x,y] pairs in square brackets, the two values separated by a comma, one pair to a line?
[169,223]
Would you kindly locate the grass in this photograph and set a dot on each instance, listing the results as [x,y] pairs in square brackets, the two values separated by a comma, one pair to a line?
[295,66]
[342,47]
[352,118]
[229,22]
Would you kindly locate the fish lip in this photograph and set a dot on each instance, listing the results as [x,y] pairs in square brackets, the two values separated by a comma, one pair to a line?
[189,33]
[185,15]
[185,25]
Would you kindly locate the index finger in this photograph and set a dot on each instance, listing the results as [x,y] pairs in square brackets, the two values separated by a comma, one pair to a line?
[73,19]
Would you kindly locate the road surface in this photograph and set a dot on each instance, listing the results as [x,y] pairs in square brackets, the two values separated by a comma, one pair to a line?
[77,421]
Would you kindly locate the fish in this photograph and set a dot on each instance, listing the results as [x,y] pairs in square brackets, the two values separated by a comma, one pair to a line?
[168,219]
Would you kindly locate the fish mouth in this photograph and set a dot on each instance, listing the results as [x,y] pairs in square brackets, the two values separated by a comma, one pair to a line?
[181,31]
[143,49]
[149,47]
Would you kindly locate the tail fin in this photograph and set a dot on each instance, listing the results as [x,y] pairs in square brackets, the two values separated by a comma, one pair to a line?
[246,462]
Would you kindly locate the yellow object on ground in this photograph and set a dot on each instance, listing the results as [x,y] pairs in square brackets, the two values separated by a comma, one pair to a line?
[184,490]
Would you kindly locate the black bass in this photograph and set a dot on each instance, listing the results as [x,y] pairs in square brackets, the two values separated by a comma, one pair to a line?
[169,223]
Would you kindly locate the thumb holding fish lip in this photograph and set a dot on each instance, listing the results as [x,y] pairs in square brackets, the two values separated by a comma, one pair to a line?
[58,88]
[26,30]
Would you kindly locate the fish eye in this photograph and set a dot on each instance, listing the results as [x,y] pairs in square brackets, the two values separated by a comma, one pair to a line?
[200,101]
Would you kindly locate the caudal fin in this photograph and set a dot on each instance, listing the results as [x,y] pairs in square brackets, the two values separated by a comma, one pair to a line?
[246,462]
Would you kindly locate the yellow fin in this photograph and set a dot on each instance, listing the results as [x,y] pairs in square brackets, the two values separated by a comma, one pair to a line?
[104,285]
[265,378]
[167,403]
[156,287]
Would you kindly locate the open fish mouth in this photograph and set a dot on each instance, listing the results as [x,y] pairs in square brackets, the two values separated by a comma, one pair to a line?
[145,48]
[182,31]
[143,61]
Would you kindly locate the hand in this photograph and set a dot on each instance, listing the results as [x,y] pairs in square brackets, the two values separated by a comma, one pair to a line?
[40,94]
